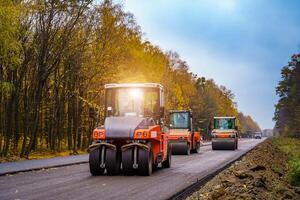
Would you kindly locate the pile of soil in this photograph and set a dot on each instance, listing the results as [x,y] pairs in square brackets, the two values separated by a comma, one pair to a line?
[260,174]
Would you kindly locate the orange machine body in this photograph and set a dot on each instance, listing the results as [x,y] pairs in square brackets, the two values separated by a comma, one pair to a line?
[225,133]
[182,136]
[152,136]
[185,135]
[133,137]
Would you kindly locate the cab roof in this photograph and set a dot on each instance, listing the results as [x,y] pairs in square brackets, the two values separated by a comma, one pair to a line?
[224,117]
[133,85]
[180,111]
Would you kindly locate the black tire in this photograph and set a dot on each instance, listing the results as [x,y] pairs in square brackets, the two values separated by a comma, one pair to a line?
[94,162]
[112,162]
[180,148]
[145,162]
[213,146]
[167,163]
[127,162]
[197,148]
[237,144]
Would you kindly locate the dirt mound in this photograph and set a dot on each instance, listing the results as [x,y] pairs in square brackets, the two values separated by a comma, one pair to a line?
[261,174]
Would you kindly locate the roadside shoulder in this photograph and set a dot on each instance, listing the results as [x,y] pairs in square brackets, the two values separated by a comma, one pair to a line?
[261,174]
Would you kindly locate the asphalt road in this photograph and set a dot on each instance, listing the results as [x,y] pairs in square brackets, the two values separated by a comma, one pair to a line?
[28,165]
[75,181]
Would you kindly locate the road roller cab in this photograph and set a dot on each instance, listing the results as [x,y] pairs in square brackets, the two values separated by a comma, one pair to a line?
[133,137]
[225,134]
[182,136]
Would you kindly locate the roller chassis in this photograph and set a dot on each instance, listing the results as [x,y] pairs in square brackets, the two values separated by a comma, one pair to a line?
[134,157]
[225,134]
[183,138]
[224,140]
[185,143]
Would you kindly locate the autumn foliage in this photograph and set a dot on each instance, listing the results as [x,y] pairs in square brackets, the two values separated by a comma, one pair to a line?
[287,114]
[55,58]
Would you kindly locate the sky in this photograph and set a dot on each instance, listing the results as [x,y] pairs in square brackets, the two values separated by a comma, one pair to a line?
[241,44]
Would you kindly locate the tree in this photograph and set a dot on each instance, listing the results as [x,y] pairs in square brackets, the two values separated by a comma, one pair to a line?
[287,110]
[55,58]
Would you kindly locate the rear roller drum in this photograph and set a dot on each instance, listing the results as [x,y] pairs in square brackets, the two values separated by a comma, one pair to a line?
[180,148]
[145,162]
[95,161]
[112,161]
[127,162]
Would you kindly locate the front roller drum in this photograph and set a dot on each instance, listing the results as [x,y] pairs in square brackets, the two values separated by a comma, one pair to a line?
[226,145]
[144,162]
[112,161]
[95,160]
[180,148]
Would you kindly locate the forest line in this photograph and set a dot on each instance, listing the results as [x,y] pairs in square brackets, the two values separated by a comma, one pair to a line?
[55,58]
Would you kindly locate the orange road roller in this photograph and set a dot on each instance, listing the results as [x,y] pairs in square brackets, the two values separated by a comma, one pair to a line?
[133,138]
[225,134]
[182,136]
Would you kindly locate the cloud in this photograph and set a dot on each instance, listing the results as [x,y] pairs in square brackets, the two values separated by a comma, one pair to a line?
[240,44]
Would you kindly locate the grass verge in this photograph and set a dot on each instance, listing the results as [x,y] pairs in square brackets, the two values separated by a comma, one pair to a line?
[291,147]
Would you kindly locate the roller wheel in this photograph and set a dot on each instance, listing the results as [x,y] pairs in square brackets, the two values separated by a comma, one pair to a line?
[180,148]
[214,146]
[112,161]
[127,162]
[167,163]
[197,148]
[94,162]
[145,162]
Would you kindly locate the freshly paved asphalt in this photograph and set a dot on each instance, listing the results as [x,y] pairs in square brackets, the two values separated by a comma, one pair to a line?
[29,165]
[75,181]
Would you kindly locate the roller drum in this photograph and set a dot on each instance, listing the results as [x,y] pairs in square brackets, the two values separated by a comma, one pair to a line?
[223,145]
[180,148]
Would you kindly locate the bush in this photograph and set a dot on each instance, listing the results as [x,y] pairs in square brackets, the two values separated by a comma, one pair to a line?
[291,147]
[294,172]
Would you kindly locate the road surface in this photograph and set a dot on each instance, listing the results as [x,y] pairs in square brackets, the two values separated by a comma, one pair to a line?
[36,164]
[75,181]
[28,165]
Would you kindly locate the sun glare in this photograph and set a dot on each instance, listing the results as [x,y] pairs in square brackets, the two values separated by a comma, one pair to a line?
[135,93]
[226,5]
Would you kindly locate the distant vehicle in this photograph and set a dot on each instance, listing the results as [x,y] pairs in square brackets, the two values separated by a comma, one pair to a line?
[258,135]
[225,133]
[182,136]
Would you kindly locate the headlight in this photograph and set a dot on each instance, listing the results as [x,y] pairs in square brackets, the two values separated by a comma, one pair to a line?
[140,134]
